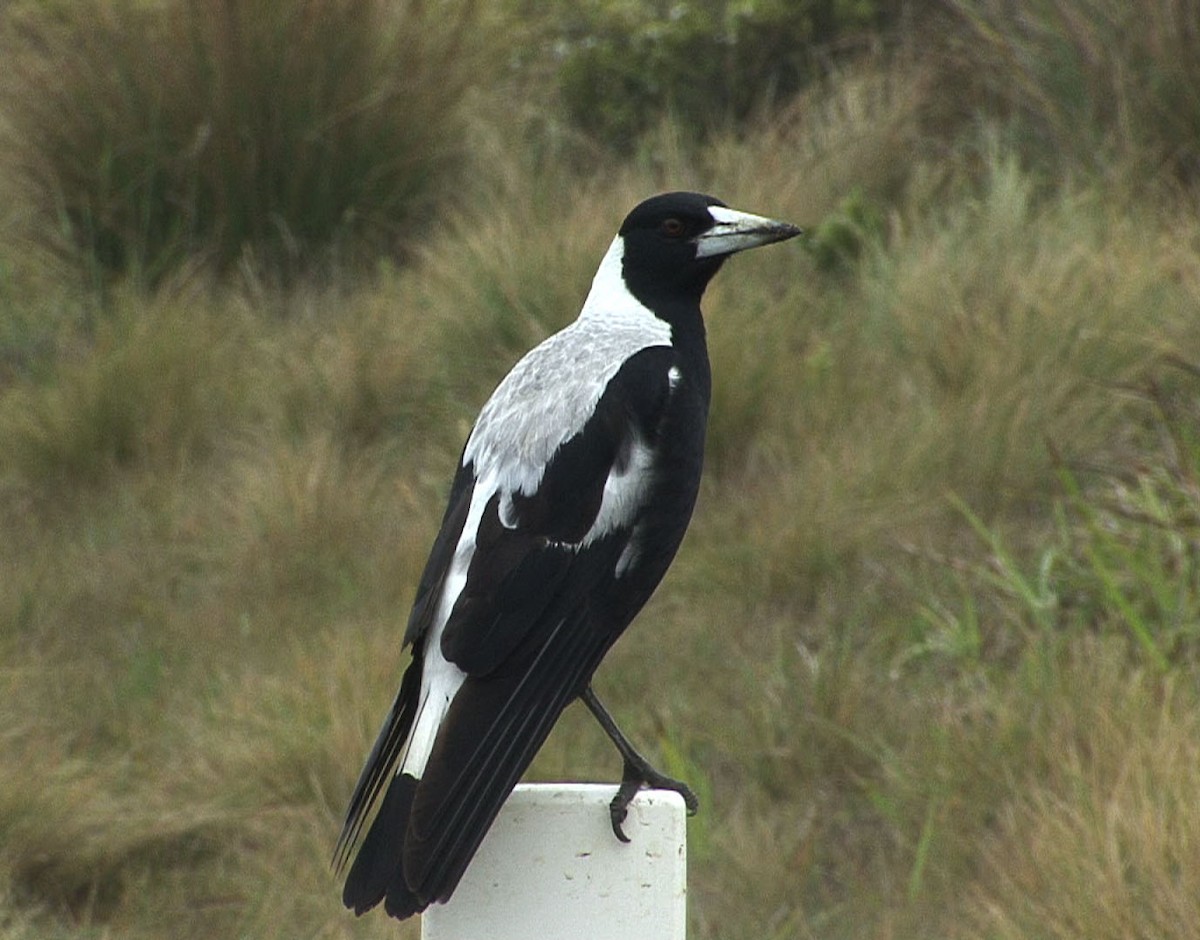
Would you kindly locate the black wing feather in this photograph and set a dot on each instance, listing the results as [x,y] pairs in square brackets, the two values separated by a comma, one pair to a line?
[529,628]
[505,595]
[379,865]
[377,770]
[429,588]
[492,732]
[515,571]
[373,863]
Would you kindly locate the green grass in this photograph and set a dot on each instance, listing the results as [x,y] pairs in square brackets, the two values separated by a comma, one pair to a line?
[929,652]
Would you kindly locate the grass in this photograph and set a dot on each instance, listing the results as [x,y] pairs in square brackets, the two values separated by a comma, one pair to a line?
[1095,82]
[929,651]
[279,137]
[1098,839]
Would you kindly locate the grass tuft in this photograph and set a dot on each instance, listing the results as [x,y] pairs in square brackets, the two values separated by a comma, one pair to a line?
[1098,838]
[276,135]
[1096,84]
[158,385]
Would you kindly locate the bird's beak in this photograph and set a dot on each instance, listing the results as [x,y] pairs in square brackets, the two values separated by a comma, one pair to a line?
[736,231]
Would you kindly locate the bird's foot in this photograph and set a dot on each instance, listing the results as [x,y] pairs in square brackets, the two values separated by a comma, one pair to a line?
[633,779]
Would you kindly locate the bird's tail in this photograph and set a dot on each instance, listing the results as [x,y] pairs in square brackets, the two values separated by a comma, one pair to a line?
[378,860]
[428,829]
[378,869]
[493,731]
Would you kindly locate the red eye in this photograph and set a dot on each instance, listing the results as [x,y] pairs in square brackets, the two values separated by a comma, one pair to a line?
[672,228]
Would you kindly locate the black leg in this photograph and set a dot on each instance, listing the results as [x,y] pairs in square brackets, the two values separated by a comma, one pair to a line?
[637,769]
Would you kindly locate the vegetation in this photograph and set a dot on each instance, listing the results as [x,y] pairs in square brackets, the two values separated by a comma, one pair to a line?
[930,650]
[273,134]
[709,63]
[1096,81]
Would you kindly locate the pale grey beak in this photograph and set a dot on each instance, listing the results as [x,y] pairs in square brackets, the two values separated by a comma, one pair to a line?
[736,231]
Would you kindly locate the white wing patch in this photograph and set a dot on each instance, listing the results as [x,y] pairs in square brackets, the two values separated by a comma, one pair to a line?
[624,493]
[630,553]
[440,678]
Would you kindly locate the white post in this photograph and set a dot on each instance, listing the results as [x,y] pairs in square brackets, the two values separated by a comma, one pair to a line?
[550,868]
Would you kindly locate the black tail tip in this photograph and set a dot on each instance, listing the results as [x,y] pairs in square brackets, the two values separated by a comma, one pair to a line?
[378,871]
[403,904]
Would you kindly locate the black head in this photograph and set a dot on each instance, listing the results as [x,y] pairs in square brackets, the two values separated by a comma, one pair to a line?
[675,242]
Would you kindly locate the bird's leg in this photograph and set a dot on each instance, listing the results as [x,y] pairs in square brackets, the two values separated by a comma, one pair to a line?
[637,769]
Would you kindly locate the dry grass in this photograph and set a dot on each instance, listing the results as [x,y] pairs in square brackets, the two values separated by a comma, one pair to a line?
[928,653]
[1099,837]
[277,136]
[1093,84]
[157,384]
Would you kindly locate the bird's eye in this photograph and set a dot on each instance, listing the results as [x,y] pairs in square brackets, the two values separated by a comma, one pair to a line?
[673,228]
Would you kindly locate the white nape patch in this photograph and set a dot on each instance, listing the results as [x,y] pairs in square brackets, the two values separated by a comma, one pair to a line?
[609,300]
[440,678]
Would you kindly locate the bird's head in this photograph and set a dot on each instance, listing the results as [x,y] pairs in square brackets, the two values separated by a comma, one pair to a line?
[675,242]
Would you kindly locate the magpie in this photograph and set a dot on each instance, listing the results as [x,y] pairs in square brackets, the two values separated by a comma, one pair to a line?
[571,497]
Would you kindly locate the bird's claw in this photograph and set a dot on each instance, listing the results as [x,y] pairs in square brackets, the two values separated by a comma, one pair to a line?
[632,781]
[618,809]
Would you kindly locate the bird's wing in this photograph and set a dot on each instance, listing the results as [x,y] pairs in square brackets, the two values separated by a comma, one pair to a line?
[525,627]
[392,737]
[433,578]
[529,547]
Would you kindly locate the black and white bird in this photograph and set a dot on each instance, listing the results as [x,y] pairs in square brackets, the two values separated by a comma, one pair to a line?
[573,493]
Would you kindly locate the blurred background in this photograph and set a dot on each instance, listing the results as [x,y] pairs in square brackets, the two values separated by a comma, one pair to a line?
[929,654]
